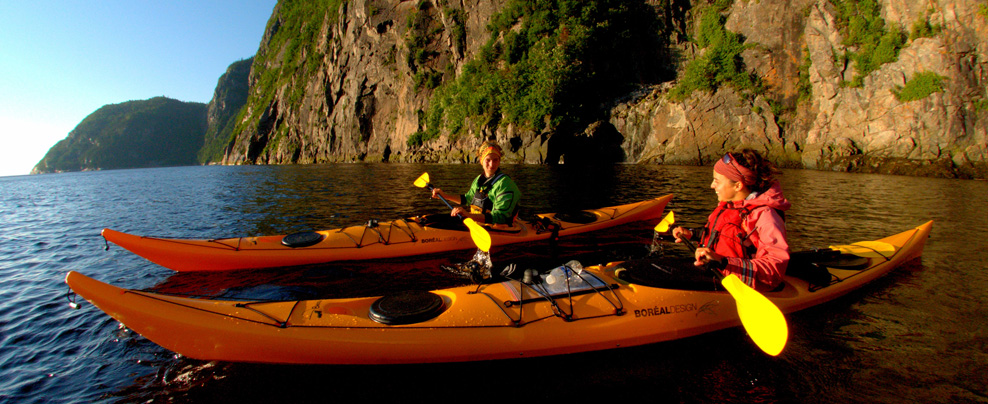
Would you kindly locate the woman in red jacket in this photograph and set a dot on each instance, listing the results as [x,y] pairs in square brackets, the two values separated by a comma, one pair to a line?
[745,235]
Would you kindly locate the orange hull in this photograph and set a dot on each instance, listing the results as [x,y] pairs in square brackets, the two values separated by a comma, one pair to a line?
[398,238]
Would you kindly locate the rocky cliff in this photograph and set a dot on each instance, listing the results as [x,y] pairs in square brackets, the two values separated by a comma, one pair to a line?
[332,83]
[229,98]
[358,80]
[129,135]
[894,86]
[814,115]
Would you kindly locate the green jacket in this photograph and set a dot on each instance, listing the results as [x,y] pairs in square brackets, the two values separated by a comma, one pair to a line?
[502,195]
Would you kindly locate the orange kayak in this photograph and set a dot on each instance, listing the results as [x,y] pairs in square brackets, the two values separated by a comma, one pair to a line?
[376,240]
[511,319]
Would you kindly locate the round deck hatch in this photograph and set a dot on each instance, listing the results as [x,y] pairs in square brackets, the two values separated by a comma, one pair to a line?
[302,239]
[407,307]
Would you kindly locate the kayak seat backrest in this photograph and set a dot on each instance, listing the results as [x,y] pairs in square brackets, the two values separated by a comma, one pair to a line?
[407,307]
[302,239]
[811,265]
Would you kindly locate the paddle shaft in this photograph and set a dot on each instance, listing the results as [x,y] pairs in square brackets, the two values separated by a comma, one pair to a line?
[689,244]
[443,199]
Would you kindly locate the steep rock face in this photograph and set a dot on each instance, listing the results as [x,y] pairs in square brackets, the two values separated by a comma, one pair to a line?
[863,126]
[367,80]
[355,92]
[697,130]
[228,98]
[131,135]
[837,127]
[359,101]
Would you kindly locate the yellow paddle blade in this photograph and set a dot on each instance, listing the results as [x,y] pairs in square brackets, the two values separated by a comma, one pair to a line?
[422,181]
[663,225]
[867,249]
[479,234]
[760,317]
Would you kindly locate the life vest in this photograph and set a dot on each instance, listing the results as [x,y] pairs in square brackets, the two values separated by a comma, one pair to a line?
[481,201]
[726,233]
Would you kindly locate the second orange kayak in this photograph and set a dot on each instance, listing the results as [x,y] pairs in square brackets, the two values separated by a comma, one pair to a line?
[375,240]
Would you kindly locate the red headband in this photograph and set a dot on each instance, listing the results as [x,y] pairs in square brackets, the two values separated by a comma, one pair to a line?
[729,167]
[489,150]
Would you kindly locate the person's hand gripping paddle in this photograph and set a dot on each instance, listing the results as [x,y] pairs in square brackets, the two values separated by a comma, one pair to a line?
[760,317]
[479,235]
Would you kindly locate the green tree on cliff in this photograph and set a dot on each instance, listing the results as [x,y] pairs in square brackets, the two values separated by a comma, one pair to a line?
[547,64]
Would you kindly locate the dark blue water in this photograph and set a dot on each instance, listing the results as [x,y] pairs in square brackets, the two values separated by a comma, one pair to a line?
[918,335]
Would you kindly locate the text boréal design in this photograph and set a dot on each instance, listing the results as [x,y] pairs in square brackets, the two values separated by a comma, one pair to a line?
[439,239]
[707,307]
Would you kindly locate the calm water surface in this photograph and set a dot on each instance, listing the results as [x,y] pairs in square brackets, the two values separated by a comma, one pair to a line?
[918,335]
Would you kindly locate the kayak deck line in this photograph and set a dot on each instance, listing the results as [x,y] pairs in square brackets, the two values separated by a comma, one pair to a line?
[592,284]
[380,237]
[222,243]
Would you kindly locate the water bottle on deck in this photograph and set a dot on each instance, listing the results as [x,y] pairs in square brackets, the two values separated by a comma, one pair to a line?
[571,270]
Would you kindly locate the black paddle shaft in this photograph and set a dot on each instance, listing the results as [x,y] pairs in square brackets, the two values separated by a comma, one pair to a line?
[710,266]
[443,199]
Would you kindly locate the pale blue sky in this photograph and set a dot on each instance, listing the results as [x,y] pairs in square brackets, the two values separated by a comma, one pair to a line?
[62,60]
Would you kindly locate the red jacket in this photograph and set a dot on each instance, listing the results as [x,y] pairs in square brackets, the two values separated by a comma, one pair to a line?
[761,229]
